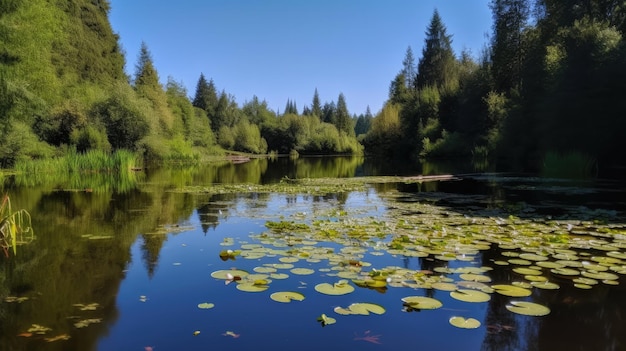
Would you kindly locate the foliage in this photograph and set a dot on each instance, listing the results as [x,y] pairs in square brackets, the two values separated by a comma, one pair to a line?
[15,227]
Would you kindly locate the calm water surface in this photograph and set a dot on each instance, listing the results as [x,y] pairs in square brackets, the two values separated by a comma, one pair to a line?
[123,265]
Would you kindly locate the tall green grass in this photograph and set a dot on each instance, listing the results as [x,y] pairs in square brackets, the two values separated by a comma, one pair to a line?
[94,170]
[571,165]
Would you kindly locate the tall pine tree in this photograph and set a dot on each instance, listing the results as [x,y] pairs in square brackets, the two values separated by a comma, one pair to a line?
[438,65]
[316,106]
[206,96]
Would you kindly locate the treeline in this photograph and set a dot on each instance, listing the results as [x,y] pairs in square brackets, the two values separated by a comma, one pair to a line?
[63,89]
[550,85]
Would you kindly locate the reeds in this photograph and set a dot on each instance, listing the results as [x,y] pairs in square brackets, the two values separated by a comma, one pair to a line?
[15,227]
[93,170]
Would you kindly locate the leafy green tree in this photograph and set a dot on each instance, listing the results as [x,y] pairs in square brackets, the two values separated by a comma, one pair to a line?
[398,91]
[437,66]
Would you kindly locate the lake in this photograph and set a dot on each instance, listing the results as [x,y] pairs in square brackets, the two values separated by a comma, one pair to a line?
[316,254]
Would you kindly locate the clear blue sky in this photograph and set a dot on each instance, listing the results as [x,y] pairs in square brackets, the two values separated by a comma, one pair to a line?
[284,49]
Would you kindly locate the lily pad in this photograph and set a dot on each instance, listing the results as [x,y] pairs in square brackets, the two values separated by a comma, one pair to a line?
[206,305]
[325,320]
[302,271]
[475,277]
[422,302]
[545,285]
[340,288]
[511,290]
[228,274]
[465,323]
[468,295]
[286,296]
[361,308]
[528,308]
[251,287]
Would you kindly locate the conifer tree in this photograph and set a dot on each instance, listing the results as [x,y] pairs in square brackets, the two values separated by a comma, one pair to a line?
[343,122]
[316,106]
[206,96]
[437,65]
[408,68]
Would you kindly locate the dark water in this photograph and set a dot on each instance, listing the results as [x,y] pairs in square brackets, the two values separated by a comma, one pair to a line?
[150,264]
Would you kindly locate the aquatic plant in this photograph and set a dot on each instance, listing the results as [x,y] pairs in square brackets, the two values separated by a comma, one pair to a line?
[15,227]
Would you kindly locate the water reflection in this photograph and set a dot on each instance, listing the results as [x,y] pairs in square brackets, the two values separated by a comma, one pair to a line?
[82,252]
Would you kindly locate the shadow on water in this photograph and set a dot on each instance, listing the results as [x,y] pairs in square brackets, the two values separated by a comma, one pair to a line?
[82,252]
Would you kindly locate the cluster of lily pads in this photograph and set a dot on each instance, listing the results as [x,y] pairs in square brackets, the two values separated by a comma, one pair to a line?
[541,254]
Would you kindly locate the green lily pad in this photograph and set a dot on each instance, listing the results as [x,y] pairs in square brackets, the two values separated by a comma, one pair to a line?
[302,271]
[600,275]
[444,286]
[528,308]
[511,290]
[279,276]
[229,274]
[206,305]
[533,257]
[422,302]
[519,261]
[468,295]
[251,287]
[549,264]
[264,269]
[465,323]
[286,296]
[546,285]
[340,288]
[475,277]
[565,271]
[325,320]
[361,308]
[526,271]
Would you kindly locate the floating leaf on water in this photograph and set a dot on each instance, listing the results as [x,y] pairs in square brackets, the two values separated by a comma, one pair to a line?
[16,299]
[361,308]
[340,288]
[525,285]
[565,271]
[583,280]
[533,257]
[594,267]
[264,269]
[526,271]
[600,275]
[528,308]
[289,259]
[549,264]
[511,290]
[520,262]
[251,287]
[468,295]
[501,263]
[286,296]
[617,254]
[57,338]
[610,282]
[465,323]
[38,329]
[475,277]
[196,333]
[283,265]
[229,274]
[421,302]
[206,305]
[545,285]
[279,276]
[444,286]
[325,320]
[535,278]
[302,271]
[583,286]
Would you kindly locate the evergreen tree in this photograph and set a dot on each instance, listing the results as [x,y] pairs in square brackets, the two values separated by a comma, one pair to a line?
[398,92]
[437,65]
[408,68]
[507,53]
[146,75]
[316,107]
[343,122]
[329,112]
[206,96]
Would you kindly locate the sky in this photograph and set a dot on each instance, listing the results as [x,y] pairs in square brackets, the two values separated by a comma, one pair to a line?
[285,49]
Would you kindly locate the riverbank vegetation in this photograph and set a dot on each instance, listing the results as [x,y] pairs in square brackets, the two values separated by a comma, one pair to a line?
[549,82]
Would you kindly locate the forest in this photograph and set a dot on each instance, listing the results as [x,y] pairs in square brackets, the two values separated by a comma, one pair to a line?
[546,91]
